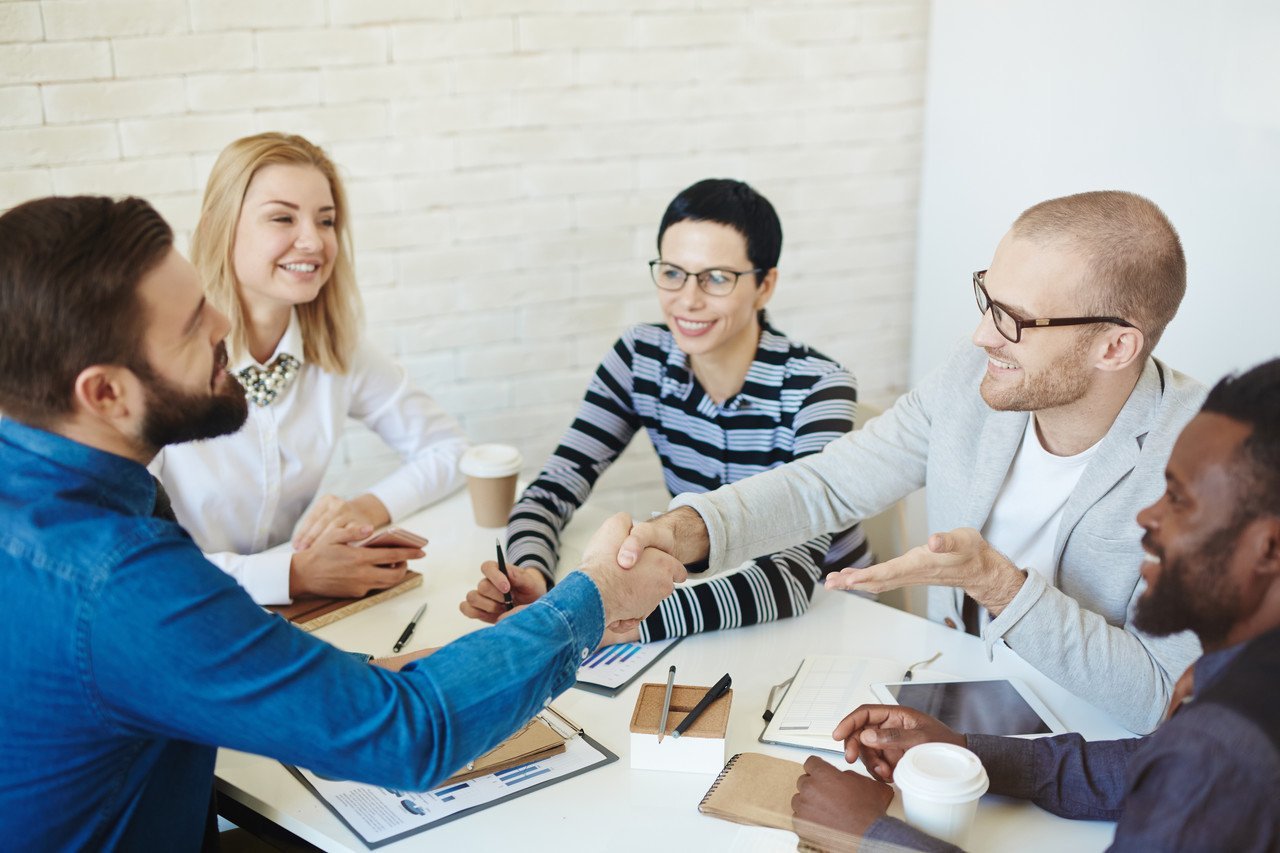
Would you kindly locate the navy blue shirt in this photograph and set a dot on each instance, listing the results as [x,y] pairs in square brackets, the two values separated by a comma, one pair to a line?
[126,658]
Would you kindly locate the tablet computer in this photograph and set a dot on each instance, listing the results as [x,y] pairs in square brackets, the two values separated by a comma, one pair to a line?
[998,706]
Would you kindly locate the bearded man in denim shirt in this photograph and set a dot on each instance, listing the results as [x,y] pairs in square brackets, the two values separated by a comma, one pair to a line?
[126,658]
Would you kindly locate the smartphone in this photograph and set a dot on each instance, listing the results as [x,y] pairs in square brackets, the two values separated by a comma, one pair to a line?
[392,537]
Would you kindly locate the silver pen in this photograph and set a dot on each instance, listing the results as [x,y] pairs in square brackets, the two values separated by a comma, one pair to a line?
[666,703]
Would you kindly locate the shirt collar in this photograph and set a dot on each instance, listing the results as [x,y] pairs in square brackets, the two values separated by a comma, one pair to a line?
[291,343]
[1210,666]
[116,481]
[677,379]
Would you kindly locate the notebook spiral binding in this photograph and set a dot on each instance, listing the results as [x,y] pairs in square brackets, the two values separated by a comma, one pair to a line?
[720,778]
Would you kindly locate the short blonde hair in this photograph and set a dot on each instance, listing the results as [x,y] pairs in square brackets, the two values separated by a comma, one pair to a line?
[1137,269]
[330,322]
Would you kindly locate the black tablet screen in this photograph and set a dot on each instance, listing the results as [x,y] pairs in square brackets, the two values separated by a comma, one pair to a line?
[972,707]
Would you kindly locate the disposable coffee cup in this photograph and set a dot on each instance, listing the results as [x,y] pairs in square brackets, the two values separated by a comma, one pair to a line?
[940,785]
[491,471]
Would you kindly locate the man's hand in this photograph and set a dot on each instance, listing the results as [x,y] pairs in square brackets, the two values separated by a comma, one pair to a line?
[832,809]
[680,533]
[486,601]
[331,511]
[631,595]
[331,568]
[879,734]
[960,558]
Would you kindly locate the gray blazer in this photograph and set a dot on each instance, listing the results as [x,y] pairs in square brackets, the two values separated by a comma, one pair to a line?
[944,435]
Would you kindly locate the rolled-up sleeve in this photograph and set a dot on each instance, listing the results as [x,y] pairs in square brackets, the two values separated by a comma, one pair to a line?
[176,648]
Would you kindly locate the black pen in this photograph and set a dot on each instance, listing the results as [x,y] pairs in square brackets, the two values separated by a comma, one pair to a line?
[717,690]
[502,567]
[408,630]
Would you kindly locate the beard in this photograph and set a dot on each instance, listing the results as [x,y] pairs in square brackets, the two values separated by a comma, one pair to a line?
[1059,385]
[1194,592]
[175,415]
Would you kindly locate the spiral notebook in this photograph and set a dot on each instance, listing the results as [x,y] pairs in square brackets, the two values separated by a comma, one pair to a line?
[754,789]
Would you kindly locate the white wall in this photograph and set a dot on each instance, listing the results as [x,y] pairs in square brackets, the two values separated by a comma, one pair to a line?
[508,161]
[1176,99]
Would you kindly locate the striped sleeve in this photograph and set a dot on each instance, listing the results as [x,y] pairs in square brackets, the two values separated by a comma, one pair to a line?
[604,425]
[779,585]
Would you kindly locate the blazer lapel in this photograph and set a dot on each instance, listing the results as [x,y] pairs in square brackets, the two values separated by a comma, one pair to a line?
[1117,454]
[1001,434]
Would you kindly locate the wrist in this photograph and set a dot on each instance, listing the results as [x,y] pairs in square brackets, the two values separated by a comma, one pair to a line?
[1003,581]
[689,538]
[371,509]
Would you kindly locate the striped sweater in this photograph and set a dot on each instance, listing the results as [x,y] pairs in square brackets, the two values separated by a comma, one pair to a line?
[793,402]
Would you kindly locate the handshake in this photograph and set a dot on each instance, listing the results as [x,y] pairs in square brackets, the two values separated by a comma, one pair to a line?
[633,566]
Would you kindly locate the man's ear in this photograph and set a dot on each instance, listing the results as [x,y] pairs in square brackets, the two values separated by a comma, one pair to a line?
[1123,347]
[106,391]
[1263,540]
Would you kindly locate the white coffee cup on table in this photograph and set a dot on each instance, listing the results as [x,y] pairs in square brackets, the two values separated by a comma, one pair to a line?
[941,784]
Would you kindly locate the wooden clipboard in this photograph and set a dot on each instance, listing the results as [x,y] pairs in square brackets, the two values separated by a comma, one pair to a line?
[535,741]
[312,613]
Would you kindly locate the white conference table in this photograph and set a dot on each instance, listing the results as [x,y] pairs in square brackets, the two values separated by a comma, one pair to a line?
[621,809]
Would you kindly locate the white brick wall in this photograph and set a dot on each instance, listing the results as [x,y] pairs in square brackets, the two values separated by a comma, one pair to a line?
[508,161]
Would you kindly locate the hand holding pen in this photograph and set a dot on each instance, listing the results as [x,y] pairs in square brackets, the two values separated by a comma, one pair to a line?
[502,567]
[502,588]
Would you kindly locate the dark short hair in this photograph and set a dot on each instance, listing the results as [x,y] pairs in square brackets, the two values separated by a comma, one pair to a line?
[69,274]
[1136,269]
[733,203]
[1253,398]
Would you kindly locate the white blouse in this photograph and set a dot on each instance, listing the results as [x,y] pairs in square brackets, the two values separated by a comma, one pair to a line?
[242,494]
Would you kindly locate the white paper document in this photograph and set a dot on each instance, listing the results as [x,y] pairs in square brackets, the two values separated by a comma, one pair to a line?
[825,689]
[381,815]
[611,668]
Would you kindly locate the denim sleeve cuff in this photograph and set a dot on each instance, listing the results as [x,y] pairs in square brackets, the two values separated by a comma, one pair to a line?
[577,600]
[893,834]
[1010,764]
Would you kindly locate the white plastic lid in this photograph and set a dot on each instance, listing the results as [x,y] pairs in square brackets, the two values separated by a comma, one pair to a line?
[941,772]
[491,460]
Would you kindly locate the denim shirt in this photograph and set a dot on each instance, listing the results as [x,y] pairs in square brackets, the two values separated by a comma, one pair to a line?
[127,658]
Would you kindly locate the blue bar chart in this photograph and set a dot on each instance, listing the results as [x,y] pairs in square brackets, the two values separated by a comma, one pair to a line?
[613,666]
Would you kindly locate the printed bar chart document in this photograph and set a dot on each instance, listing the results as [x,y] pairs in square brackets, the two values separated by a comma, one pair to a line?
[380,816]
[611,668]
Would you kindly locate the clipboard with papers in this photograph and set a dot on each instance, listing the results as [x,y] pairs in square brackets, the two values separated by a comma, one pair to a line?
[824,689]
[548,749]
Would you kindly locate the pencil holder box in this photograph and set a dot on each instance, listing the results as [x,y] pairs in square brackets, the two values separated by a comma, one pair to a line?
[700,749]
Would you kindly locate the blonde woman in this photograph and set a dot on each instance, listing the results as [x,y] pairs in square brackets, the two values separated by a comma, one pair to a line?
[273,246]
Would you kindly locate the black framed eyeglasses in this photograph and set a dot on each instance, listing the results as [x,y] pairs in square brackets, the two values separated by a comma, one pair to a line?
[714,282]
[1010,325]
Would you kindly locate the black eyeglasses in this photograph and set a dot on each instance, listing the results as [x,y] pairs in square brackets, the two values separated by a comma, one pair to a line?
[1011,325]
[714,282]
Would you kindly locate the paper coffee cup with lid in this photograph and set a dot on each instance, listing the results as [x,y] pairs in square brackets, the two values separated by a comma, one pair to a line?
[491,471]
[940,785]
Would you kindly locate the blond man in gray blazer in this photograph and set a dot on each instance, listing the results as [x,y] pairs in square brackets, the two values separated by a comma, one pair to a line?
[1038,445]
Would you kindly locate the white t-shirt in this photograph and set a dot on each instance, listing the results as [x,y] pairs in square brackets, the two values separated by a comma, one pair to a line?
[1025,518]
